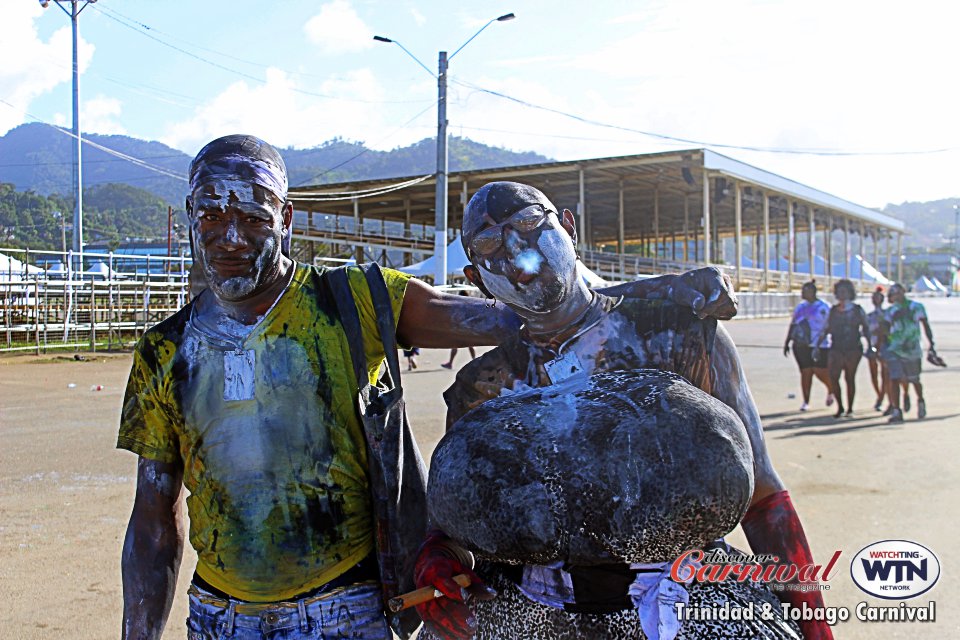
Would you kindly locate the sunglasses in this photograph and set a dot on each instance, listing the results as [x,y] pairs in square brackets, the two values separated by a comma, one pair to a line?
[489,241]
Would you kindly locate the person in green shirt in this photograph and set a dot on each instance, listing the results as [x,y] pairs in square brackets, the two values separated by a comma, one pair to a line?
[246,398]
[902,351]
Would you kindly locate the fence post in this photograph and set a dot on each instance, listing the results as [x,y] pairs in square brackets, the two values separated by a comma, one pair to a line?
[93,314]
[110,305]
[46,311]
[36,311]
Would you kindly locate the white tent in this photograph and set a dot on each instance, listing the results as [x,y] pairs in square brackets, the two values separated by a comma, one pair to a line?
[456,261]
[923,285]
[939,285]
[10,267]
[100,269]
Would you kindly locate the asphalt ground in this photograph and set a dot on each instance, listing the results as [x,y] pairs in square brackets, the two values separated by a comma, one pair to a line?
[66,493]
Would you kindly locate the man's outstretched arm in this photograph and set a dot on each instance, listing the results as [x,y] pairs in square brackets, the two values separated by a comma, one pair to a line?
[771,524]
[435,320]
[431,319]
[707,290]
[152,549]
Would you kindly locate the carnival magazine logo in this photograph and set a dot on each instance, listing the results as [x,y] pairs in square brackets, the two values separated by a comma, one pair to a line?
[717,565]
[895,569]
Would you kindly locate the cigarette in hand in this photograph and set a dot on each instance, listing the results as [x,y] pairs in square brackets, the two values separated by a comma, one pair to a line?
[426,594]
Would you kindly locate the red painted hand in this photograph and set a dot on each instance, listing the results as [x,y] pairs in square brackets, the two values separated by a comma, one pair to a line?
[439,560]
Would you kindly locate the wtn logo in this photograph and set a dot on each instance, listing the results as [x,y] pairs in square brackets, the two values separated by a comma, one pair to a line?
[903,569]
[895,569]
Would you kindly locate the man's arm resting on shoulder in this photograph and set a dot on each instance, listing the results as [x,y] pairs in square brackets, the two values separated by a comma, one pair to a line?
[771,524]
[152,549]
[707,290]
[434,320]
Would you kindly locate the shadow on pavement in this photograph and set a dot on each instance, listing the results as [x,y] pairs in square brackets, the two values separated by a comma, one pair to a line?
[806,425]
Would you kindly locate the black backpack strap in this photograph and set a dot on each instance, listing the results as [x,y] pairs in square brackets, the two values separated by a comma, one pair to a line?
[350,319]
[386,325]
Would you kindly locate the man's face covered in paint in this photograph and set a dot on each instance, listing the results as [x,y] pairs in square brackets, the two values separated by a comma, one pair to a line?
[895,294]
[237,230]
[514,237]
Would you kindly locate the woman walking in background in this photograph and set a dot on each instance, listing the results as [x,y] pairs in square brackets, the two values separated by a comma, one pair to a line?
[879,377]
[809,321]
[846,324]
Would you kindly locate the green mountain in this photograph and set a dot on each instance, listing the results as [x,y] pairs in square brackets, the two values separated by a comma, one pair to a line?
[37,157]
[932,226]
[112,213]
[124,200]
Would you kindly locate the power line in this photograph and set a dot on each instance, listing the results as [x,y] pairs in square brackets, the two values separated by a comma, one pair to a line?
[699,143]
[367,148]
[113,152]
[85,162]
[364,193]
[139,27]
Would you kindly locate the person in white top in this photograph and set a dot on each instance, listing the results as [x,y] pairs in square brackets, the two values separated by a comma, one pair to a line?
[809,320]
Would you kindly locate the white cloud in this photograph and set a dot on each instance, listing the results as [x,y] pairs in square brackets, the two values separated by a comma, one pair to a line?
[100,114]
[32,67]
[855,76]
[284,116]
[338,29]
[418,17]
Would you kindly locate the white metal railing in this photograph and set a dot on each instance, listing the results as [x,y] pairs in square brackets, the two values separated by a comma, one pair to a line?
[108,301]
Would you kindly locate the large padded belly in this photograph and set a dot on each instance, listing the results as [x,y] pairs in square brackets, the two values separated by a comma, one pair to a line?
[628,466]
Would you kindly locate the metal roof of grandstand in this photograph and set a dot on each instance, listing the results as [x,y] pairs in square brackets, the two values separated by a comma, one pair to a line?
[672,181]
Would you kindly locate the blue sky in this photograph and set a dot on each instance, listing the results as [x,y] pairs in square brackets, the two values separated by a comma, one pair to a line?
[873,79]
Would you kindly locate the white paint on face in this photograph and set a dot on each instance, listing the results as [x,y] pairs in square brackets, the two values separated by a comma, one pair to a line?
[529,260]
[262,249]
[239,287]
[554,263]
[242,191]
[556,246]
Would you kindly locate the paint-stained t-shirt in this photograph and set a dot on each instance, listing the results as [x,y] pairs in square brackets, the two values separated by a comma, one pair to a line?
[809,321]
[267,431]
[903,339]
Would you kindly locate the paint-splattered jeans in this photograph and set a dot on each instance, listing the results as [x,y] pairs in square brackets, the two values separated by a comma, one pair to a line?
[349,612]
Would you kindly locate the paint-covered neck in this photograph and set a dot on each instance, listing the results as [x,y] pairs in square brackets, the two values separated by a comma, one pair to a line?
[250,309]
[564,320]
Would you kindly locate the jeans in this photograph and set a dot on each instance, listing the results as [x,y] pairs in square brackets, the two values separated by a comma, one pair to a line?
[355,611]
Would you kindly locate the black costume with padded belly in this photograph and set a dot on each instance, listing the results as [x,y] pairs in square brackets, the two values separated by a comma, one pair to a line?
[624,466]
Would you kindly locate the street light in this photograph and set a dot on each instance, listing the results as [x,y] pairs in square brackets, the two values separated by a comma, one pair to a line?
[76,6]
[440,208]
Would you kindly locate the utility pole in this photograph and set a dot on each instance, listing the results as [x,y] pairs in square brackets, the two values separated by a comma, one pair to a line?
[76,6]
[440,213]
[58,215]
[440,205]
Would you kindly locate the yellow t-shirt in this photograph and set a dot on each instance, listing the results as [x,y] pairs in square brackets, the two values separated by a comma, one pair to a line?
[268,434]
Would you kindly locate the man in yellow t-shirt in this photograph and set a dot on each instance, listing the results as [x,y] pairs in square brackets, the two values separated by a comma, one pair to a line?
[248,398]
